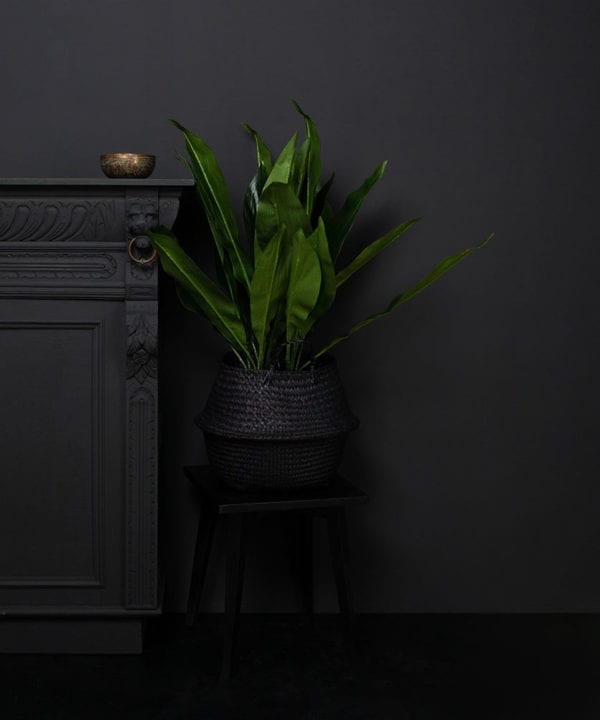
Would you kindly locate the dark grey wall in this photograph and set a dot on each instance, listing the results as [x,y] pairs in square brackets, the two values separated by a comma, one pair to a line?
[478,400]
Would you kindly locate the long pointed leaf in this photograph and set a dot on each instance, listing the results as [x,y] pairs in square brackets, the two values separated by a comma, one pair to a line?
[266,291]
[263,154]
[199,291]
[318,240]
[372,250]
[278,206]
[313,160]
[224,267]
[251,200]
[341,223]
[320,199]
[213,193]
[437,272]
[264,164]
[299,171]
[303,290]
[190,303]
[283,165]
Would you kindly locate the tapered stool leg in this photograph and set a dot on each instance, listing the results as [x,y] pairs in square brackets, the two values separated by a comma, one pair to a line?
[338,540]
[306,568]
[204,538]
[233,592]
[300,538]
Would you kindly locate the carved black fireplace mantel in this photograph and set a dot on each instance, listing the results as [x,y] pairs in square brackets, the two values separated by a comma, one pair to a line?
[79,563]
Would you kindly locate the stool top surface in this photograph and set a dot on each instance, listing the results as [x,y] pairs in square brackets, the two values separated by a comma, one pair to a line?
[229,500]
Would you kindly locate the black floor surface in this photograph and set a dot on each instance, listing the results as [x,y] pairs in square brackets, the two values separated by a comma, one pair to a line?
[405,666]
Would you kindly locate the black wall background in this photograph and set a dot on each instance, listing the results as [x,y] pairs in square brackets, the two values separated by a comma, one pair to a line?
[478,400]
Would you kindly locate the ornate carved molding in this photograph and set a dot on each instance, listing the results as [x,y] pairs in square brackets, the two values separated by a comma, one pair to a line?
[141,580]
[142,501]
[57,220]
[36,265]
[48,292]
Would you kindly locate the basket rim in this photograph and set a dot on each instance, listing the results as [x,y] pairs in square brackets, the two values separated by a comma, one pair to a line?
[230,362]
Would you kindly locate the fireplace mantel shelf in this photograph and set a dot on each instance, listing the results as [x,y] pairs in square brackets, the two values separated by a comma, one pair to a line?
[96,182]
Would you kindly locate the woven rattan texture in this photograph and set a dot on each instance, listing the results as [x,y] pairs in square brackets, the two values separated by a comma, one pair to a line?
[274,465]
[277,405]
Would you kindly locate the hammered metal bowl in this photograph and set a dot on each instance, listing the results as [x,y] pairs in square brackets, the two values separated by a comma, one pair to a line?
[127,165]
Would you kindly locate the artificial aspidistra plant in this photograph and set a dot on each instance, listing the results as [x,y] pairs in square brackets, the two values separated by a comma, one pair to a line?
[272,289]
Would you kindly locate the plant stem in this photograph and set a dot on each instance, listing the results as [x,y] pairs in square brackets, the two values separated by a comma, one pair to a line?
[238,356]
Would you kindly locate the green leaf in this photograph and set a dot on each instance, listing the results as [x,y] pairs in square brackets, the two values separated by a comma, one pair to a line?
[320,201]
[283,165]
[187,300]
[318,240]
[212,189]
[198,291]
[437,272]
[341,223]
[267,290]
[251,200]
[299,171]
[189,303]
[313,160]
[223,264]
[372,251]
[278,206]
[327,215]
[252,196]
[303,289]
[263,154]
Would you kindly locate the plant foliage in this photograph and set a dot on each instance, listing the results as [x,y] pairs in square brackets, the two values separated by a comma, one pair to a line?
[275,285]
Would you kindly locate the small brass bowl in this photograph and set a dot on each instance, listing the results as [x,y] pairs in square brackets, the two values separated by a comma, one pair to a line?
[127,165]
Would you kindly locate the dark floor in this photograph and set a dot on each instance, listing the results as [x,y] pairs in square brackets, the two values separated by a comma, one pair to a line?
[405,666]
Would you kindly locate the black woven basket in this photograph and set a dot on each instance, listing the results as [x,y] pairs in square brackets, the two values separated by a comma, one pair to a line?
[276,430]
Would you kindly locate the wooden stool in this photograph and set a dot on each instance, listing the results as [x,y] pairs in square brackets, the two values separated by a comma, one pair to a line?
[226,506]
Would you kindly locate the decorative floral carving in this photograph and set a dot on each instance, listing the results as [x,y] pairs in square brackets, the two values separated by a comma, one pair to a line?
[142,272]
[142,348]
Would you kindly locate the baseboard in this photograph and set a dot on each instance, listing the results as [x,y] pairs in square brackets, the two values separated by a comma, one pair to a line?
[58,636]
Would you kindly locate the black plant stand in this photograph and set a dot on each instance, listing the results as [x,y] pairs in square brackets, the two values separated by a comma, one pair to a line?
[229,507]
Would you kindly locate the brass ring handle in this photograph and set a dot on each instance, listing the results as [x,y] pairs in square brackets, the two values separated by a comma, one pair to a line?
[138,258]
